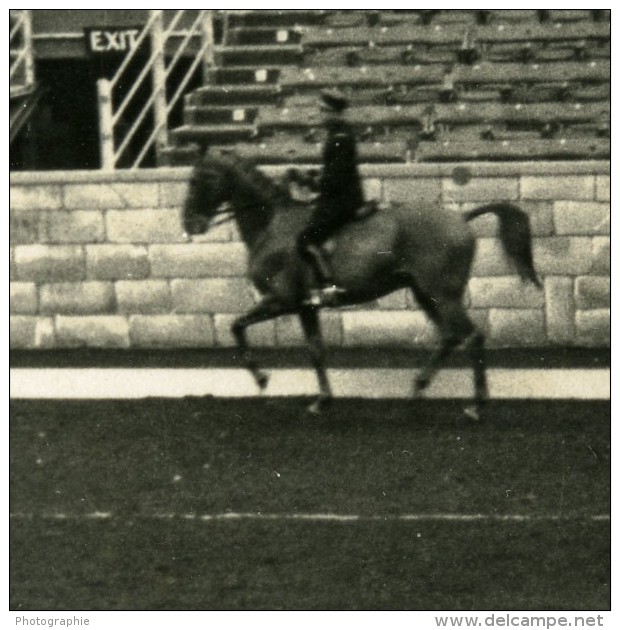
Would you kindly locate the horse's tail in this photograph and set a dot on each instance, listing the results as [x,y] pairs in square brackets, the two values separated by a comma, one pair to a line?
[515,234]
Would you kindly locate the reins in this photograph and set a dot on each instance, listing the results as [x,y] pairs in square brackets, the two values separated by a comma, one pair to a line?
[223,216]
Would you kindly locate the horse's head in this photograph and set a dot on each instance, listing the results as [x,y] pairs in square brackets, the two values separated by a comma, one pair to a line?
[227,177]
[209,187]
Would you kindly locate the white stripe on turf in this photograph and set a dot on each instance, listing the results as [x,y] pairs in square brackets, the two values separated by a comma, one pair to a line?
[317,517]
[87,383]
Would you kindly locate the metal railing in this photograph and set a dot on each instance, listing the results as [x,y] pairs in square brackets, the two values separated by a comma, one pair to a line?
[21,77]
[158,71]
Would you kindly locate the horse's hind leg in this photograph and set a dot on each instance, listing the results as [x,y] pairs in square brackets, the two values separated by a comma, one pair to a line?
[263,311]
[478,361]
[309,317]
[424,378]
[454,327]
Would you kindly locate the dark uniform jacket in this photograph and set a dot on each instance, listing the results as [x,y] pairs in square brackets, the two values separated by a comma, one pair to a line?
[340,188]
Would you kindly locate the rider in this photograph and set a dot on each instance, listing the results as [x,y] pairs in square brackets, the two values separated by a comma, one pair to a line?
[340,193]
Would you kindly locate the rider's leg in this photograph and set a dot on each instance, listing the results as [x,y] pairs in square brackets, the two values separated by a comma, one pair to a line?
[309,249]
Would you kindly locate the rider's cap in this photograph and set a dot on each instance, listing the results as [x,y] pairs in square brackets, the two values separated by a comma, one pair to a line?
[333,101]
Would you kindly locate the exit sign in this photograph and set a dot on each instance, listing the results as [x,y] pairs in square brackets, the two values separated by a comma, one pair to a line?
[111,41]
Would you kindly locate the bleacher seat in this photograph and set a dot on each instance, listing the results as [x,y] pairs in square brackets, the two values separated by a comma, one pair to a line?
[424,84]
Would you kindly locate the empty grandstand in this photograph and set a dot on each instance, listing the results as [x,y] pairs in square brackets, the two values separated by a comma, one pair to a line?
[426,85]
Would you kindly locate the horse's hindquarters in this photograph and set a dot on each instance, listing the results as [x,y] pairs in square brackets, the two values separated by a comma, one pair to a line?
[365,251]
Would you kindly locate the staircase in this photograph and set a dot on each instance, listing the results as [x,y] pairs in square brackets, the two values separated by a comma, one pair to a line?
[256,46]
[427,85]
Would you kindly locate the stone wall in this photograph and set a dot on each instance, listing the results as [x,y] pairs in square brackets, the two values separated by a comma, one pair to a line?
[98,260]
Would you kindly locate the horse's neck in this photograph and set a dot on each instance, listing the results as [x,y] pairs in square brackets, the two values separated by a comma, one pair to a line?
[261,226]
[253,221]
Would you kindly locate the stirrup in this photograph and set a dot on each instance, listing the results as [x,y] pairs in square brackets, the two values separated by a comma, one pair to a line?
[325,296]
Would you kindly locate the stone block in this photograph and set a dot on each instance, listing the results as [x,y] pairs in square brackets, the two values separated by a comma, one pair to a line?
[78,226]
[397,300]
[582,218]
[601,255]
[373,189]
[172,194]
[562,255]
[259,335]
[593,292]
[218,295]
[603,188]
[387,328]
[144,226]
[480,319]
[143,296]
[92,331]
[27,332]
[412,191]
[24,226]
[197,260]
[481,189]
[557,187]
[13,277]
[289,332]
[541,216]
[38,197]
[560,310]
[77,298]
[490,259]
[516,327]
[49,263]
[504,292]
[117,262]
[107,195]
[594,327]
[23,298]
[171,331]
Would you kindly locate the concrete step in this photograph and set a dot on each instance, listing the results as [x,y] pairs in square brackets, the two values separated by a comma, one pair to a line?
[259,55]
[280,17]
[566,149]
[263,36]
[208,134]
[296,151]
[241,94]
[245,75]
[186,155]
[216,115]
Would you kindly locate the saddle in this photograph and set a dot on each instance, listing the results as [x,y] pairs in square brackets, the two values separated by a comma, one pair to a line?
[367,209]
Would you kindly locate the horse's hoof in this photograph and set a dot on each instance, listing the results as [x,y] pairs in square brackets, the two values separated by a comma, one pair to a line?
[318,406]
[472,413]
[262,380]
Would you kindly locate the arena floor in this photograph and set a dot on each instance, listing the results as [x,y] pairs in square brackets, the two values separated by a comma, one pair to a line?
[247,503]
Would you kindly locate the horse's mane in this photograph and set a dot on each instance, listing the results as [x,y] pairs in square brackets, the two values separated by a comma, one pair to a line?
[250,176]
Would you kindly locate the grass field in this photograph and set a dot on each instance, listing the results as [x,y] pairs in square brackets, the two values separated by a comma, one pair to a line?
[250,504]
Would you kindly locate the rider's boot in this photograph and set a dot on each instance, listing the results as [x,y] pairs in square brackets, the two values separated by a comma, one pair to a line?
[329,292]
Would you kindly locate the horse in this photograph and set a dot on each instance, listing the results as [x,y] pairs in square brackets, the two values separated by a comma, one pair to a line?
[423,247]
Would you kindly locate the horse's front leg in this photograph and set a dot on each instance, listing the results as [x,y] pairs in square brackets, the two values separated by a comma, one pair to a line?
[309,317]
[265,310]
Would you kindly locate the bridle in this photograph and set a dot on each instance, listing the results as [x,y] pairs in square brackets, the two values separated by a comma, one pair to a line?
[224,213]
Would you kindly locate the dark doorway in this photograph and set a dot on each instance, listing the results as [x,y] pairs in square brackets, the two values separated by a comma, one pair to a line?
[62,132]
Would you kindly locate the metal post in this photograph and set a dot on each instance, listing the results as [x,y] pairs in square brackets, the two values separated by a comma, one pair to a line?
[208,38]
[29,62]
[160,110]
[106,126]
